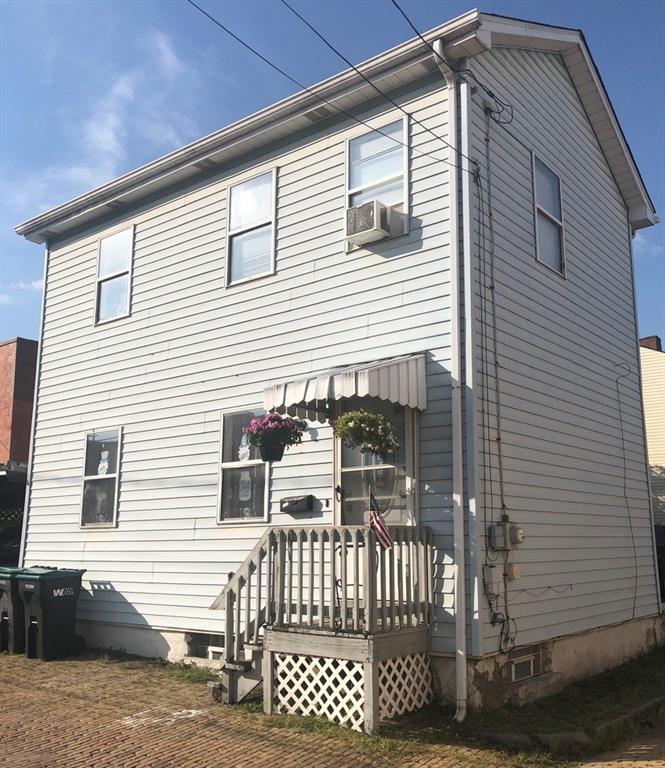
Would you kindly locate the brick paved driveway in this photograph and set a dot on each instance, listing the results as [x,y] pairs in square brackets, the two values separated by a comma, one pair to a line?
[96,714]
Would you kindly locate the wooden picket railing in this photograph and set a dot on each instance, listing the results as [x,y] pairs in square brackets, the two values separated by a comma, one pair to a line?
[329,578]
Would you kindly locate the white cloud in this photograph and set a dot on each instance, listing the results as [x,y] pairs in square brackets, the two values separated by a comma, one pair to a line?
[33,285]
[645,245]
[5,298]
[139,108]
[167,58]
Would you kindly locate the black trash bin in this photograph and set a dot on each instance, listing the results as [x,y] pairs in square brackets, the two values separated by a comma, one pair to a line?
[12,623]
[49,598]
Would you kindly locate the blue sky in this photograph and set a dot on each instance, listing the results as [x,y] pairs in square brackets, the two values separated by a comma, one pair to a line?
[93,88]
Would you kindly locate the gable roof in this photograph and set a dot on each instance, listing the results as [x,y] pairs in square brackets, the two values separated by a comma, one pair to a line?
[467,35]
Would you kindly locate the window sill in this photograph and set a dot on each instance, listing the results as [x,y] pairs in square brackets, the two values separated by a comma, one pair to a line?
[249,279]
[112,319]
[244,521]
[89,526]
[551,269]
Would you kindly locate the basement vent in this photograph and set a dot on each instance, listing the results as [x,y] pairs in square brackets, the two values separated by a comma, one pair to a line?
[525,662]
[318,114]
[199,642]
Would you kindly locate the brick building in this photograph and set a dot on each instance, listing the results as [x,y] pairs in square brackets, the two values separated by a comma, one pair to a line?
[18,361]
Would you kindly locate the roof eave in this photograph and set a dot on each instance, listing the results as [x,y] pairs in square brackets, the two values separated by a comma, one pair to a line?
[466,35]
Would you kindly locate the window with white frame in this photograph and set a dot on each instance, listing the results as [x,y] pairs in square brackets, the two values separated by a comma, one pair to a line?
[377,164]
[549,218]
[114,275]
[391,479]
[244,476]
[251,221]
[100,477]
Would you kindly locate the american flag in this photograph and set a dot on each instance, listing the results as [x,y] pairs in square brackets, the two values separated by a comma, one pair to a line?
[379,524]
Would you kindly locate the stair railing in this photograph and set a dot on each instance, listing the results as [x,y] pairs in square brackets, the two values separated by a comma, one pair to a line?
[330,578]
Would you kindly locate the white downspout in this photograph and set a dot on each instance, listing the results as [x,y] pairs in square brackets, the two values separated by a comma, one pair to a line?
[456,388]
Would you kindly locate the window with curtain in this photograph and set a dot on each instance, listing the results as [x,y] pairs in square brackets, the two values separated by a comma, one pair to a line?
[251,223]
[114,275]
[549,219]
[377,167]
[243,473]
[100,477]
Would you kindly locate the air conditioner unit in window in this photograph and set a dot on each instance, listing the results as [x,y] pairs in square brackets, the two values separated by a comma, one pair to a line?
[367,223]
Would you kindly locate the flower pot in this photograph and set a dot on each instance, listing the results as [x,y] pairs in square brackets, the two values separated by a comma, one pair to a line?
[271,451]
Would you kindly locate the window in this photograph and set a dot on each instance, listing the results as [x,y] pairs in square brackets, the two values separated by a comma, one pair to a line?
[114,275]
[244,477]
[377,163]
[250,224]
[390,479]
[100,477]
[549,220]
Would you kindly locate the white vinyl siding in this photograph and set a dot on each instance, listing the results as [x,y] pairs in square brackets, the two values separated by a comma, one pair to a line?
[653,389]
[194,349]
[114,275]
[561,346]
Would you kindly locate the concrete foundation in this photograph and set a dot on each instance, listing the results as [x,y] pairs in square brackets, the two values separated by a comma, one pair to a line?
[139,641]
[564,660]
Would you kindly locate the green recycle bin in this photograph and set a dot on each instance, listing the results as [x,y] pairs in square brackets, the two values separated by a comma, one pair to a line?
[49,598]
[12,622]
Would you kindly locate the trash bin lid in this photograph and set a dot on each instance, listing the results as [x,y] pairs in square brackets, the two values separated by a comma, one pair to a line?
[45,572]
[8,571]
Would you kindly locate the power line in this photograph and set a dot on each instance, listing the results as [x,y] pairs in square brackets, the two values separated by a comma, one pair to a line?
[312,92]
[501,105]
[381,93]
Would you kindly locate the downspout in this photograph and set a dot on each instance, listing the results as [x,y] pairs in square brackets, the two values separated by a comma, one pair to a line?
[455,173]
[35,395]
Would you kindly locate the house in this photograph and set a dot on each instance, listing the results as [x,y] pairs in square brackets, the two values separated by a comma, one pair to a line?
[18,362]
[652,361]
[458,260]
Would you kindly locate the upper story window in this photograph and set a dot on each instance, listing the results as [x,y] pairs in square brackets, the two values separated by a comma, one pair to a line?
[377,167]
[114,275]
[244,476]
[549,218]
[100,477]
[251,220]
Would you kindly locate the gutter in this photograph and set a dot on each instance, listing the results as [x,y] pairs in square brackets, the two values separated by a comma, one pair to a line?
[455,159]
[35,399]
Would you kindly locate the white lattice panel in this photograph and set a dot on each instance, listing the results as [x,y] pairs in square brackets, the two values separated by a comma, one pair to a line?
[314,685]
[405,684]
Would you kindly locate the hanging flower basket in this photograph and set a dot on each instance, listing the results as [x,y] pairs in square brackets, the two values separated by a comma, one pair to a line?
[272,433]
[371,432]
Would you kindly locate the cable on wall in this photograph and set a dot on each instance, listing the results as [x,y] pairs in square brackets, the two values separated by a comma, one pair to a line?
[497,113]
[625,474]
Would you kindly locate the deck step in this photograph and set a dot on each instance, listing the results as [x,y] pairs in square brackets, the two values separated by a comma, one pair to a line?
[238,666]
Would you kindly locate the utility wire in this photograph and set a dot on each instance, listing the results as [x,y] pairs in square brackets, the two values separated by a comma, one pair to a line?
[502,106]
[312,92]
[381,93]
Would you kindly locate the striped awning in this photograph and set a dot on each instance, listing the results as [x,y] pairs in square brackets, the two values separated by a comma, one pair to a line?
[398,380]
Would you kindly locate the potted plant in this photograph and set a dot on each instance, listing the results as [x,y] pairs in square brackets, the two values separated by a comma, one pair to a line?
[371,432]
[272,433]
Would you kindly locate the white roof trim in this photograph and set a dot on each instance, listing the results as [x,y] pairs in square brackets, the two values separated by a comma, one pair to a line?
[399,380]
[467,35]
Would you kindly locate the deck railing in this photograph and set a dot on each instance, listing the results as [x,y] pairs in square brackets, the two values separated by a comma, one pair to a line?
[329,578]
